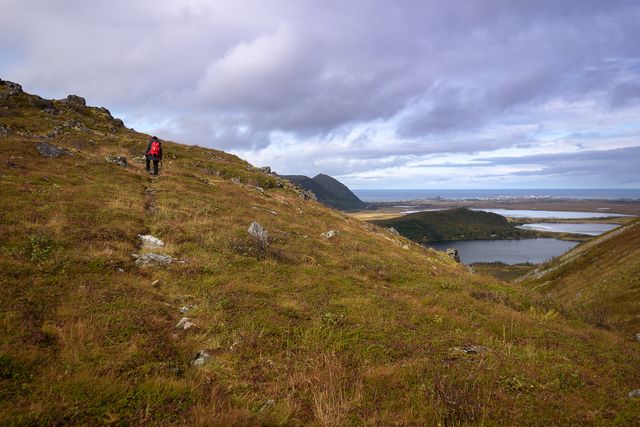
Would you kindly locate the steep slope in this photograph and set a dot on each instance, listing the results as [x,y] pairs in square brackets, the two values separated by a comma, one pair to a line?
[361,328]
[329,191]
[341,191]
[598,280]
[453,224]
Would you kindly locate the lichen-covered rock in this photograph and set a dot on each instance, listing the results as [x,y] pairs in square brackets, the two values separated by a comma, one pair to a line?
[256,230]
[48,150]
[453,254]
[152,258]
[75,101]
[117,160]
[201,358]
[147,241]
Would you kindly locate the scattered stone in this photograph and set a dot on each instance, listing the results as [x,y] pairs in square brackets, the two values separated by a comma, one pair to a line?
[50,110]
[4,129]
[75,101]
[185,323]
[201,358]
[120,270]
[155,283]
[150,242]
[186,308]
[453,254]
[472,349]
[47,150]
[329,234]
[273,213]
[405,247]
[153,259]
[634,393]
[258,232]
[638,336]
[117,160]
[267,404]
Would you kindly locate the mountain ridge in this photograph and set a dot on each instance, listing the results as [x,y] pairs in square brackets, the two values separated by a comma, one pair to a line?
[329,191]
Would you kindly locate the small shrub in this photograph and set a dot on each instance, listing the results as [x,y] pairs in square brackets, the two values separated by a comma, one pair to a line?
[41,248]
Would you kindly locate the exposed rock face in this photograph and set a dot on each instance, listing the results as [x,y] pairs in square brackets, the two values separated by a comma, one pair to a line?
[148,241]
[118,123]
[453,254]
[329,234]
[48,150]
[12,88]
[258,232]
[117,160]
[151,259]
[75,101]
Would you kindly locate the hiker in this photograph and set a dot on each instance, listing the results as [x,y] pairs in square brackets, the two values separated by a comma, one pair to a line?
[154,152]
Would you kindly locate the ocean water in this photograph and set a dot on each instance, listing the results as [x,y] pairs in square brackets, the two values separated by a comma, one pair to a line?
[368,195]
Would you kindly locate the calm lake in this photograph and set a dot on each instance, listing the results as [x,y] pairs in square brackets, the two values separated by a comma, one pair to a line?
[508,251]
[588,229]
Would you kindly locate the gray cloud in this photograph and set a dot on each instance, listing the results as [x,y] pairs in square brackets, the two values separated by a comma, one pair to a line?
[232,75]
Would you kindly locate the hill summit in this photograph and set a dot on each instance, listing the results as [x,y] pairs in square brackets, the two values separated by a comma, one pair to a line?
[218,294]
[329,191]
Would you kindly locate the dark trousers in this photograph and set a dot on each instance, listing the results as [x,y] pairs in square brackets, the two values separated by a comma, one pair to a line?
[155,166]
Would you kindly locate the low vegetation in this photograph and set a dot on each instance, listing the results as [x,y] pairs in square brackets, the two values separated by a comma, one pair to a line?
[364,327]
[454,224]
[598,281]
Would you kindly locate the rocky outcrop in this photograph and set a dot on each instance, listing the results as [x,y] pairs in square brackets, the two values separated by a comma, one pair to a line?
[117,160]
[48,150]
[75,101]
[453,254]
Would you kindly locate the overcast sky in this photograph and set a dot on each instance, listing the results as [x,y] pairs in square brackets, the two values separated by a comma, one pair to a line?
[379,93]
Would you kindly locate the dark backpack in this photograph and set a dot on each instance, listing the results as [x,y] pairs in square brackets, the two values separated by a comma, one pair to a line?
[155,149]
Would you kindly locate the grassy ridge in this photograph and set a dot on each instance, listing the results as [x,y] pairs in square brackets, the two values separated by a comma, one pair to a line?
[598,280]
[363,328]
[454,224]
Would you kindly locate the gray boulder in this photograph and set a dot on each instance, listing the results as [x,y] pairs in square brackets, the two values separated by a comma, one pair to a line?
[201,358]
[453,254]
[185,323]
[634,393]
[75,101]
[148,241]
[117,160]
[48,150]
[255,230]
[151,259]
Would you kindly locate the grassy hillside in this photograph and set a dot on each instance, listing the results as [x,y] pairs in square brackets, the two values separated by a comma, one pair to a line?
[454,224]
[598,280]
[361,328]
